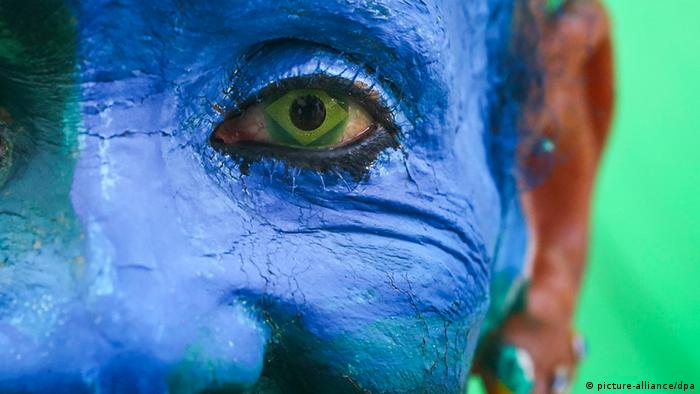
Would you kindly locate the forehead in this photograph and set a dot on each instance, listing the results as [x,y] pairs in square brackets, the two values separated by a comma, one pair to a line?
[413,43]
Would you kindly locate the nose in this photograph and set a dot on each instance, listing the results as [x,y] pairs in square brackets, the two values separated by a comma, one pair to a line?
[220,350]
[227,354]
[174,335]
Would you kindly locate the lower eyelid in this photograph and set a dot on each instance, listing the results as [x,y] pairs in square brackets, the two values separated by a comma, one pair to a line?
[354,158]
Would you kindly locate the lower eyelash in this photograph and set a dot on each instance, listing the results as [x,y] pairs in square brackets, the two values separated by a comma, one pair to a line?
[354,159]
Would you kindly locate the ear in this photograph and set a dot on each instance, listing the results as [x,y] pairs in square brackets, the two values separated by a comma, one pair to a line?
[573,116]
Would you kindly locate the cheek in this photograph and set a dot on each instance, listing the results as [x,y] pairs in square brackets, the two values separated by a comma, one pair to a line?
[425,353]
[382,312]
[385,289]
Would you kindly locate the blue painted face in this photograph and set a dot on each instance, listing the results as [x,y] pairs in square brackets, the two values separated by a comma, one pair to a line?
[140,258]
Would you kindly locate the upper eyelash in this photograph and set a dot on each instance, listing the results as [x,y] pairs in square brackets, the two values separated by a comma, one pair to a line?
[273,66]
[369,98]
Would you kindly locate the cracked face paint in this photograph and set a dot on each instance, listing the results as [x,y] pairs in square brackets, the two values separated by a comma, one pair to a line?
[140,258]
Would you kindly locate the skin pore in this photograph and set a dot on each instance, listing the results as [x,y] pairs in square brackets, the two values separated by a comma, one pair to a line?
[141,252]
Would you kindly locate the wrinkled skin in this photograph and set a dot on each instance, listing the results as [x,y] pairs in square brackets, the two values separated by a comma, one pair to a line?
[136,258]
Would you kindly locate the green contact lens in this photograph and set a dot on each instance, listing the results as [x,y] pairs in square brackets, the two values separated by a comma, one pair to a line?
[307,117]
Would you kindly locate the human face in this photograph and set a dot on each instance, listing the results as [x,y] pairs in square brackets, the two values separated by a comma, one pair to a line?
[139,258]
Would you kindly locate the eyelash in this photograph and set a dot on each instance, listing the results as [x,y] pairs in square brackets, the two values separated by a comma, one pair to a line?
[354,159]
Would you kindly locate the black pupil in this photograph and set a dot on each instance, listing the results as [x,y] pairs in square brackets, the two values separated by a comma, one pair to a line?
[307,112]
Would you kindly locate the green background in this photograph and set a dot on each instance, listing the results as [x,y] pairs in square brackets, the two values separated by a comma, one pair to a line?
[640,305]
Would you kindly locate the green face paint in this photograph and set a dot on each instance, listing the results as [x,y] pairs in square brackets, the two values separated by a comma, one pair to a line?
[306,117]
[5,154]
[39,121]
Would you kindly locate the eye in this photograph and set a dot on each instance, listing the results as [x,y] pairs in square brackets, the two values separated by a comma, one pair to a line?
[301,118]
[320,123]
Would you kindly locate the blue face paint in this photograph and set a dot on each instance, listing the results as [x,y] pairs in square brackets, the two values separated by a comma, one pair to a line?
[181,272]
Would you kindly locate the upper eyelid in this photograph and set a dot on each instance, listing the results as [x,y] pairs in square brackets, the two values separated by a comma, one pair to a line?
[272,65]
[369,98]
